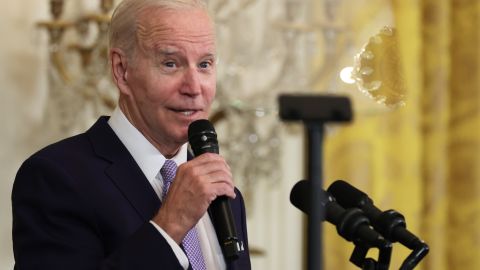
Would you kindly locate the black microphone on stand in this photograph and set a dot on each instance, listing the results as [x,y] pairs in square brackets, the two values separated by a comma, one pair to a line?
[203,139]
[390,223]
[351,224]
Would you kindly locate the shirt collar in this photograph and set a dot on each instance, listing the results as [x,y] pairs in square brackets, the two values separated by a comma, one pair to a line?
[148,158]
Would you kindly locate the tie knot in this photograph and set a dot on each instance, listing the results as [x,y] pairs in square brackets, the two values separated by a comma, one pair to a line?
[168,170]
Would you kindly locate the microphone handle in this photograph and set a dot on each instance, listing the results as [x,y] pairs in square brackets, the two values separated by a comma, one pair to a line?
[223,221]
[222,218]
[203,139]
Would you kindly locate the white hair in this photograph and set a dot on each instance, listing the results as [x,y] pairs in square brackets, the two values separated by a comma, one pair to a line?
[123,25]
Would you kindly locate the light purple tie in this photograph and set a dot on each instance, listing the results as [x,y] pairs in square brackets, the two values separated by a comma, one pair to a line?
[190,243]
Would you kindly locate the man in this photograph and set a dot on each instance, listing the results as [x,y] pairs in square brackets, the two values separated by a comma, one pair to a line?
[95,201]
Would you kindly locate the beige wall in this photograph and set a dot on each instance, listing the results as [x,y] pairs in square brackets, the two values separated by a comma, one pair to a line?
[23,91]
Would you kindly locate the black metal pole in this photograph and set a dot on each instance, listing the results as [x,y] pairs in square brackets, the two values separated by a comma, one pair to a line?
[315,111]
[315,243]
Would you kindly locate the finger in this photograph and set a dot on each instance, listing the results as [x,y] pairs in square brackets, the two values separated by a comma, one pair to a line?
[206,167]
[206,158]
[219,177]
[220,188]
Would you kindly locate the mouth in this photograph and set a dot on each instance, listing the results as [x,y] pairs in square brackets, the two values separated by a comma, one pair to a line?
[186,112]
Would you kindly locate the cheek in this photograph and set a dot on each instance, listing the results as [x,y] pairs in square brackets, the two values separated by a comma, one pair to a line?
[208,99]
[211,90]
[159,91]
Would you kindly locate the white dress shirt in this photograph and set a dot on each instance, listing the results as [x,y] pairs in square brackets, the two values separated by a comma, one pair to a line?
[150,160]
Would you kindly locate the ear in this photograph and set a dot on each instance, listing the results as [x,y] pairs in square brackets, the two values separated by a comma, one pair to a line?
[119,65]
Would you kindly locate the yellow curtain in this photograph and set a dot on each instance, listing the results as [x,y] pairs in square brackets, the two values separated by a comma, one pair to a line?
[422,159]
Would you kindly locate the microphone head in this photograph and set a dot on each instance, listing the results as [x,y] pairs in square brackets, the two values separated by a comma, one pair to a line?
[347,195]
[202,137]
[300,196]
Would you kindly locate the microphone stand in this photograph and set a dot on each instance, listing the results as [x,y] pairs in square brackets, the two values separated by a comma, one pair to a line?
[387,224]
[315,111]
[317,214]
[359,259]
[415,257]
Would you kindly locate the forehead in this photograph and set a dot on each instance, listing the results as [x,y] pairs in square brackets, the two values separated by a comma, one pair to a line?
[159,27]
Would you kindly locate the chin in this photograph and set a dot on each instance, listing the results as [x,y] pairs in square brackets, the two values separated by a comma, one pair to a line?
[183,135]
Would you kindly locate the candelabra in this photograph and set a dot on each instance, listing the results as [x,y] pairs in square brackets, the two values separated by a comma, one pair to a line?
[80,88]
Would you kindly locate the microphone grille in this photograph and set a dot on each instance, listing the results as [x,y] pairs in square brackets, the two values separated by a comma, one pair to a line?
[200,126]
[299,196]
[202,137]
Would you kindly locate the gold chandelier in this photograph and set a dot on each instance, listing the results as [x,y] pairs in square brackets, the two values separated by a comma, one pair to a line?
[78,75]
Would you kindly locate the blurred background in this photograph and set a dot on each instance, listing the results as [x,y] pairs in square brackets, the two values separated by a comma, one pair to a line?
[410,68]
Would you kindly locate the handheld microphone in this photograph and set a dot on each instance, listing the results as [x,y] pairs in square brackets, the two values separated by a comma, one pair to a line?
[351,224]
[203,139]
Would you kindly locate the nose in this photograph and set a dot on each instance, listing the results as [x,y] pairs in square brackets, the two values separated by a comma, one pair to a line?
[191,82]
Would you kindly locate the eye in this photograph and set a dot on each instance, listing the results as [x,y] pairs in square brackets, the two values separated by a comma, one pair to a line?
[169,64]
[205,64]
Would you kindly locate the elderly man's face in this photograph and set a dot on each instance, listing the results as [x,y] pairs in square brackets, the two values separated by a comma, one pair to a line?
[172,78]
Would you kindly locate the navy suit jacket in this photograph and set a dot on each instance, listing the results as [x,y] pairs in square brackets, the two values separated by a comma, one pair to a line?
[83,203]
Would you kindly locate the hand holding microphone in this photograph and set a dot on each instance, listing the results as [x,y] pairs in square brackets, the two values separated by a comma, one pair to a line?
[197,183]
[201,184]
[203,139]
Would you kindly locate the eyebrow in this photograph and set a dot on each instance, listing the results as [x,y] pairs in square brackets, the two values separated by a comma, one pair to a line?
[213,55]
[170,52]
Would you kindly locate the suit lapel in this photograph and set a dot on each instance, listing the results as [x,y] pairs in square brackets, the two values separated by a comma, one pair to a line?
[123,170]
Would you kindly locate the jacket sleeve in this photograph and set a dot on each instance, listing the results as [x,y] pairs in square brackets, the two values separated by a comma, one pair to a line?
[54,227]
[243,262]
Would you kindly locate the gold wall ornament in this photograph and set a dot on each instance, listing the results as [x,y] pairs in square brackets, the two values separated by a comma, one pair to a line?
[106,6]
[378,71]
[80,88]
[56,8]
[56,29]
